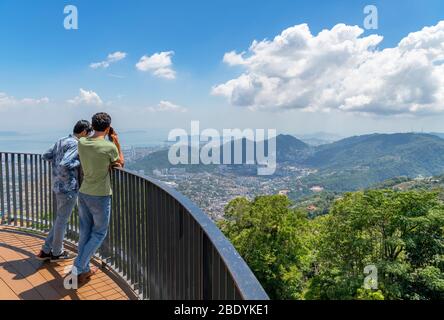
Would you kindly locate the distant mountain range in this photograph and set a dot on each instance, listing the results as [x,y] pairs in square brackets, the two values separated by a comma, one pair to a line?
[351,163]
[408,153]
[361,161]
[319,138]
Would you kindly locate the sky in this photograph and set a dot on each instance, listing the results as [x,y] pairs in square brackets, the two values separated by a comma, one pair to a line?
[296,66]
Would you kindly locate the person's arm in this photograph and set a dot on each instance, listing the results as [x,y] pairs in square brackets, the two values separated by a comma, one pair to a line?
[49,154]
[71,159]
[120,162]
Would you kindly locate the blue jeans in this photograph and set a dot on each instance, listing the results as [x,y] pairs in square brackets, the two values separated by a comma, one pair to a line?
[94,214]
[54,240]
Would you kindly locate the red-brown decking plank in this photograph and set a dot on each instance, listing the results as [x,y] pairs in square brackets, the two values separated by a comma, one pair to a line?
[24,277]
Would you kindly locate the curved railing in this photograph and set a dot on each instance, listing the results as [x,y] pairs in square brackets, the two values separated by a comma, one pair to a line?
[158,241]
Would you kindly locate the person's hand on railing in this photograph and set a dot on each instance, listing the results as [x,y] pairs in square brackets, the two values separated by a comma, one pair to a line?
[116,164]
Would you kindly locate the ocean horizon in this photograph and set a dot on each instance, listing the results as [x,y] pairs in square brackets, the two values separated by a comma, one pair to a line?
[40,142]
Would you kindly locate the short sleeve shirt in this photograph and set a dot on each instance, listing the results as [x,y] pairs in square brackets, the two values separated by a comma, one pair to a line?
[96,155]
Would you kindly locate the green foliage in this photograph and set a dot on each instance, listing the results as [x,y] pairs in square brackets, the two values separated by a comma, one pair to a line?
[294,257]
[274,240]
[368,294]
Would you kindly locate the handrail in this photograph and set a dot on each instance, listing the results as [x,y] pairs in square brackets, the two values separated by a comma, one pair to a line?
[159,241]
[246,282]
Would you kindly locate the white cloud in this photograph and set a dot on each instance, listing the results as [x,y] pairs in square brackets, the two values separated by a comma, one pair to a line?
[339,69]
[159,64]
[167,106]
[112,58]
[7,101]
[86,97]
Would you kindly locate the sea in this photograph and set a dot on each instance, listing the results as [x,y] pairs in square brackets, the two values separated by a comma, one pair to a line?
[39,142]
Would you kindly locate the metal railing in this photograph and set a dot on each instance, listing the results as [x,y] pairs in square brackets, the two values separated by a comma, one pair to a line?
[158,241]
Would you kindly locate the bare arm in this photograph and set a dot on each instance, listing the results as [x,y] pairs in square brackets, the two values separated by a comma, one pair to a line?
[115,139]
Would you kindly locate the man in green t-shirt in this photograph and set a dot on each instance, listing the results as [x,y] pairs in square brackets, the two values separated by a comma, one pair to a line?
[97,156]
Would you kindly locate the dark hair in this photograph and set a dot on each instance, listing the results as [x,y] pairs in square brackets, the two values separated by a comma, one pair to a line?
[81,126]
[101,121]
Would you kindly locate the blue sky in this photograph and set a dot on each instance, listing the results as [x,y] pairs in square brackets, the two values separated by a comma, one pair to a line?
[40,59]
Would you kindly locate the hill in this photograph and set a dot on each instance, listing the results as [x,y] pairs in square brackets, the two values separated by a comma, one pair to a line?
[288,149]
[358,162]
[346,165]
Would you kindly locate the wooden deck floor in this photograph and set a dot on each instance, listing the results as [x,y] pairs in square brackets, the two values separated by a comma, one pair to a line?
[23,277]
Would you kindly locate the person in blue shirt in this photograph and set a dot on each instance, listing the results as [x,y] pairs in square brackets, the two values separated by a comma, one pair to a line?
[65,164]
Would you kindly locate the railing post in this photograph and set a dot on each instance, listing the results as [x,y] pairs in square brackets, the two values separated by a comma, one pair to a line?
[207,279]
[2,197]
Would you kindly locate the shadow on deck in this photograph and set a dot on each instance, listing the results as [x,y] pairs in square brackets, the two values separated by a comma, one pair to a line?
[22,277]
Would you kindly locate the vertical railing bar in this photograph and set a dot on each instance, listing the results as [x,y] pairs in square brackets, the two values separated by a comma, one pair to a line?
[123,212]
[14,187]
[223,281]
[149,262]
[40,195]
[172,243]
[230,289]
[137,231]
[143,239]
[152,241]
[8,187]
[42,208]
[195,265]
[215,273]
[112,229]
[31,167]
[26,163]
[50,194]
[156,241]
[185,254]
[159,222]
[140,236]
[37,202]
[45,194]
[20,178]
[131,227]
[119,219]
[146,250]
[166,266]
[162,250]
[182,253]
[127,226]
[174,238]
[134,230]
[2,194]
[201,264]
[169,247]
[189,253]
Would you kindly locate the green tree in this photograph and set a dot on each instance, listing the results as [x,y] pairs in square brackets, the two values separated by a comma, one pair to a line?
[274,240]
[399,232]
